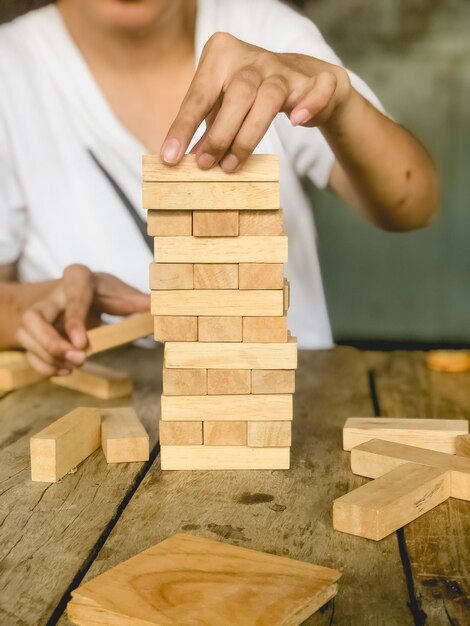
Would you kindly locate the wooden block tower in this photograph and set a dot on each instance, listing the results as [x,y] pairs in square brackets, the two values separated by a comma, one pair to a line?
[220,300]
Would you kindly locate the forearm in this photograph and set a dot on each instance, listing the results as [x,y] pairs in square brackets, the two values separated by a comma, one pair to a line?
[390,171]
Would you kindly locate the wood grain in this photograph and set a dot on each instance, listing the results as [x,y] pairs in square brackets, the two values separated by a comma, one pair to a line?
[224,458]
[215,276]
[225,433]
[125,331]
[215,223]
[184,382]
[261,276]
[462,445]
[97,380]
[171,276]
[180,433]
[221,382]
[220,328]
[175,328]
[169,223]
[265,329]
[123,436]
[273,381]
[269,434]
[262,222]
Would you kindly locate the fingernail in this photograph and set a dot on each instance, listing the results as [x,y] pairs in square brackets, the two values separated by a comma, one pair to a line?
[206,160]
[230,163]
[300,117]
[170,150]
[63,372]
[78,337]
[75,356]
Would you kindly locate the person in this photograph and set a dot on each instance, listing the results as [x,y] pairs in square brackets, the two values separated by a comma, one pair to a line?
[88,86]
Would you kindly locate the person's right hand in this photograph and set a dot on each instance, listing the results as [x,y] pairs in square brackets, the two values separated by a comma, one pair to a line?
[53,330]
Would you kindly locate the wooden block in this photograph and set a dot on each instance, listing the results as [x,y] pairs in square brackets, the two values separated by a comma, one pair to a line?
[217,302]
[123,436]
[221,249]
[432,434]
[261,276]
[223,458]
[225,433]
[262,222]
[16,372]
[232,382]
[264,329]
[215,276]
[184,382]
[171,276]
[276,407]
[65,443]
[180,433]
[170,223]
[125,331]
[375,458]
[269,434]
[249,356]
[215,223]
[257,168]
[448,360]
[97,380]
[273,381]
[462,445]
[217,328]
[386,504]
[210,195]
[286,295]
[175,328]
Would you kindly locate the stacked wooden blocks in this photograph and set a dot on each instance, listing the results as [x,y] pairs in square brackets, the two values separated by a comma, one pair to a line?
[220,300]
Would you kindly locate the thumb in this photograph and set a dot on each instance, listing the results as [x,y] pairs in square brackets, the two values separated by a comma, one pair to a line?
[79,289]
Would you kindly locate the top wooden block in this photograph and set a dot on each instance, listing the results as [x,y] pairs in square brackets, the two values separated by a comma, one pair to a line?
[258,168]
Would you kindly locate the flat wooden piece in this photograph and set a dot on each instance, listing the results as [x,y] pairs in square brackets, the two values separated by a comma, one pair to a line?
[261,276]
[169,223]
[234,382]
[269,434]
[125,331]
[97,380]
[215,276]
[432,434]
[265,329]
[261,222]
[171,276]
[273,381]
[220,328]
[462,445]
[175,328]
[223,458]
[123,436]
[215,223]
[448,360]
[286,295]
[184,382]
[180,433]
[225,433]
[16,372]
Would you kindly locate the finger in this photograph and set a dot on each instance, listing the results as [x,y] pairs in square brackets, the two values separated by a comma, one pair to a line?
[270,99]
[30,344]
[317,101]
[209,121]
[39,365]
[78,283]
[117,298]
[36,326]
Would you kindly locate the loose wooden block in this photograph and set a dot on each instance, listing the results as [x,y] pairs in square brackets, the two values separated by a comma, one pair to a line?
[286,295]
[263,356]
[276,407]
[64,444]
[273,381]
[123,437]
[375,458]
[170,223]
[16,372]
[184,382]
[221,249]
[432,434]
[180,433]
[448,360]
[97,380]
[261,276]
[223,458]
[125,331]
[171,276]
[225,433]
[386,504]
[175,328]
[217,302]
[232,382]
[264,329]
[269,434]
[462,445]
[257,168]
[262,222]
[215,223]
[215,276]
[222,329]
[211,195]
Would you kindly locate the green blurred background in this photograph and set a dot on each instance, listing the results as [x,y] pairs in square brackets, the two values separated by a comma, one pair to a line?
[392,287]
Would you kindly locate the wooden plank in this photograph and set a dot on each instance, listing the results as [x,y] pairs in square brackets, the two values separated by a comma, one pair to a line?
[220,328]
[276,407]
[286,295]
[217,302]
[125,331]
[210,195]
[222,382]
[269,434]
[265,329]
[223,458]
[432,434]
[97,380]
[261,276]
[123,436]
[171,276]
[64,444]
[221,249]
[462,445]
[273,381]
[225,433]
[184,382]
[262,222]
[16,372]
[169,223]
[391,501]
[232,355]
[215,223]
[180,433]
[215,276]
[175,328]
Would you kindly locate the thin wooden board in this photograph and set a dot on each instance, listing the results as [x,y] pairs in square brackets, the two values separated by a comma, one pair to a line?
[224,458]
[125,331]
[97,380]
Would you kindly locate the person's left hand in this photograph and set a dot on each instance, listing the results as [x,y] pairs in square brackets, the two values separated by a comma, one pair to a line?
[239,89]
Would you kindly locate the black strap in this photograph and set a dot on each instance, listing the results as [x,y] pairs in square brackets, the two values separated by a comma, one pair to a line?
[139,222]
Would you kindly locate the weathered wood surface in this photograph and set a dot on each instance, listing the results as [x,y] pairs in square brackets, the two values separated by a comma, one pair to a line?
[49,532]
[438,543]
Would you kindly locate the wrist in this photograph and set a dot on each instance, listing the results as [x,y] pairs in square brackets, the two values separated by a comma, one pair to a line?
[347,111]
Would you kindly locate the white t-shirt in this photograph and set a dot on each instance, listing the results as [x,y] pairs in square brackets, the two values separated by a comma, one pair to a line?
[57,207]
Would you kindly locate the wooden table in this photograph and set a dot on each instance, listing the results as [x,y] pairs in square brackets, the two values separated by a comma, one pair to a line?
[54,536]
